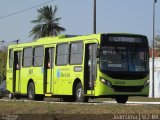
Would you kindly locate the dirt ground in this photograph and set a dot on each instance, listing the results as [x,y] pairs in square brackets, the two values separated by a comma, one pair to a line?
[67,111]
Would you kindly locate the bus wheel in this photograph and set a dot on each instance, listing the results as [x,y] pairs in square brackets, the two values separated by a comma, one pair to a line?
[121,99]
[79,94]
[10,96]
[31,91]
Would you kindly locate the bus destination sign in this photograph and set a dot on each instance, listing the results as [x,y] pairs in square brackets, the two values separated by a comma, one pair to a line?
[125,39]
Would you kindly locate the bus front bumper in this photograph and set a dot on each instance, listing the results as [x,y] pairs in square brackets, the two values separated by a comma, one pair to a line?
[108,89]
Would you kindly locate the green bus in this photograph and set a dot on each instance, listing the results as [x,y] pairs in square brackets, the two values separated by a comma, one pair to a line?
[76,68]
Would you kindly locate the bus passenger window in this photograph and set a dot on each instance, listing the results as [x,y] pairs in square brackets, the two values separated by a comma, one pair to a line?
[27,57]
[11,58]
[62,54]
[76,56]
[38,56]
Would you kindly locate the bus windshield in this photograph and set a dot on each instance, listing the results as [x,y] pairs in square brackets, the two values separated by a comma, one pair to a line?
[123,58]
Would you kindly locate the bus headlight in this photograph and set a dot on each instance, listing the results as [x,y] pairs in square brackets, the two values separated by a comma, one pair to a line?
[146,83]
[106,82]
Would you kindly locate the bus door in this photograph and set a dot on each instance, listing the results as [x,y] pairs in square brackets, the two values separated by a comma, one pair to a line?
[90,67]
[48,70]
[17,71]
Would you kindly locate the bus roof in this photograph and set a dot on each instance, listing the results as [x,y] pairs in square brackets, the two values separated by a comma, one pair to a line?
[65,38]
[57,39]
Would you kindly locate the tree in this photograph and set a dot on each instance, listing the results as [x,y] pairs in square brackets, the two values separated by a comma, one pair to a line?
[46,24]
[157,46]
[3,63]
[157,42]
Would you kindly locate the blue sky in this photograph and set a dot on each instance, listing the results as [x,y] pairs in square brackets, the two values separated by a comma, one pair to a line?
[128,16]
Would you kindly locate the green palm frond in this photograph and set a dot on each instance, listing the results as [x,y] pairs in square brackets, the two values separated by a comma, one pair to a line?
[46,23]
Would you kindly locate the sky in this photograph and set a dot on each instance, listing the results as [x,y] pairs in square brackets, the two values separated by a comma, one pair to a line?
[124,16]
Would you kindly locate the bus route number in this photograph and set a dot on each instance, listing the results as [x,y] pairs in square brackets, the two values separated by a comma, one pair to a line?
[30,71]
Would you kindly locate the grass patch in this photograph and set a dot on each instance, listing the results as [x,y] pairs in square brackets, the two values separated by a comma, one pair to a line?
[62,111]
[14,107]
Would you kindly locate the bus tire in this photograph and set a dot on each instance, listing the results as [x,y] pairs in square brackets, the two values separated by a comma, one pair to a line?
[31,91]
[10,96]
[121,99]
[79,94]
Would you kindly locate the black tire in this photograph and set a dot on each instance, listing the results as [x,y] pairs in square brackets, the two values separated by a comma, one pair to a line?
[79,94]
[31,91]
[121,99]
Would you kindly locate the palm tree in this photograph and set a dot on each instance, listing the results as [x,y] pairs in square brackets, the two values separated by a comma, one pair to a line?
[46,24]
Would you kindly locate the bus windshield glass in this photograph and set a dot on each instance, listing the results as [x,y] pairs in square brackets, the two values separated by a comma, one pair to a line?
[123,58]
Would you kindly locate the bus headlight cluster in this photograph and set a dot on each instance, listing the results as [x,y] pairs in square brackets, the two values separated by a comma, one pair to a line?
[146,83]
[106,82]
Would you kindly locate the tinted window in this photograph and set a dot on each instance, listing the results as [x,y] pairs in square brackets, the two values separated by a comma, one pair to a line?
[76,53]
[27,57]
[115,58]
[10,58]
[62,54]
[38,56]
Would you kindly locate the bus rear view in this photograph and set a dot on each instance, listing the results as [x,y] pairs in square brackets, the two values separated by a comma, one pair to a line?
[123,65]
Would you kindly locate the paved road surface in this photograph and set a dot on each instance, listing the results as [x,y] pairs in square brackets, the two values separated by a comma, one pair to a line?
[134,103]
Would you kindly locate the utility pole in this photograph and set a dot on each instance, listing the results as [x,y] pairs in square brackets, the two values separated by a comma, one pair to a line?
[2,41]
[16,41]
[94,17]
[153,49]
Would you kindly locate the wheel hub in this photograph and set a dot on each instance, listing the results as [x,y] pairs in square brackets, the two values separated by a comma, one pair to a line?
[79,94]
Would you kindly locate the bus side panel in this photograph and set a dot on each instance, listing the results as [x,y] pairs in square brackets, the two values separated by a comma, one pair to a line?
[32,74]
[9,79]
[57,82]
[73,75]
[9,72]
[64,78]
[25,77]
[38,79]
[77,74]
[62,81]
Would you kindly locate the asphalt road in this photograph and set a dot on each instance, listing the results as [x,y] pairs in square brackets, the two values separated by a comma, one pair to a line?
[134,103]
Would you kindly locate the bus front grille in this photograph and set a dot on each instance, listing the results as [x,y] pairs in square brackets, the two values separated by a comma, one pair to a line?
[127,88]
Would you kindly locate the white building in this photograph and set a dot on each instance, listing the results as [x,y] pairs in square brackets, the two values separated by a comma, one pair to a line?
[156,78]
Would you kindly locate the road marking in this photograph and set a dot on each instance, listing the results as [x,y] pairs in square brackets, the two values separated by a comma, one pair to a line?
[134,103]
[144,103]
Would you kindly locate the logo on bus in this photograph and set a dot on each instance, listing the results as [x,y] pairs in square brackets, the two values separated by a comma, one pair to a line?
[58,73]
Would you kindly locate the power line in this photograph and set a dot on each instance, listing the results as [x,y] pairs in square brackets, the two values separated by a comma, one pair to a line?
[24,10]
